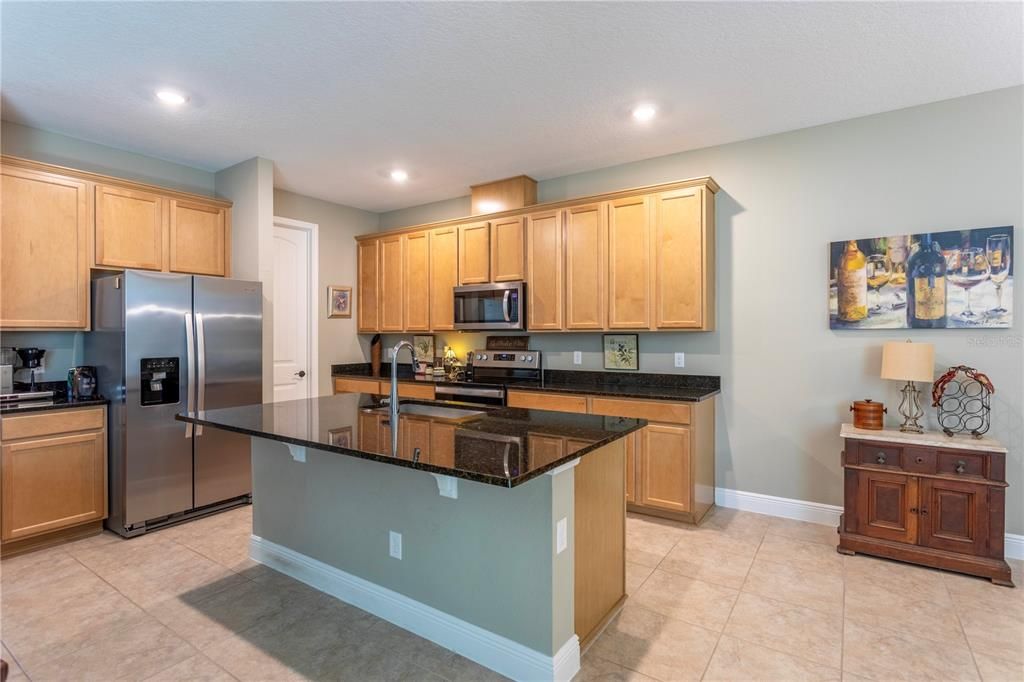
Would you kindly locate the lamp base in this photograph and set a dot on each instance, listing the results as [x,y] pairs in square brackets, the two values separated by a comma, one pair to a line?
[910,409]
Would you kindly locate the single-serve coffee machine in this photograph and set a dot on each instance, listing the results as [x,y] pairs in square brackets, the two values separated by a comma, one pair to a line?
[31,363]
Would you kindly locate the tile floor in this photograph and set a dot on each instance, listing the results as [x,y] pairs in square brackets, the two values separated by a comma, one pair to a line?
[743,597]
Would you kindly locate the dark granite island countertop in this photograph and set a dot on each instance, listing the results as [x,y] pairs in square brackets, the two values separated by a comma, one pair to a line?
[499,446]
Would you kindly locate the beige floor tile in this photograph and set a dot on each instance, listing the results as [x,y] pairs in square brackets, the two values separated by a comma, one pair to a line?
[888,655]
[738,661]
[48,593]
[14,671]
[808,556]
[594,669]
[784,582]
[421,652]
[465,670]
[656,645]
[918,582]
[636,574]
[686,599]
[796,630]
[876,607]
[995,632]
[713,556]
[133,652]
[998,670]
[802,530]
[184,574]
[38,571]
[971,591]
[647,543]
[736,523]
[196,669]
[150,551]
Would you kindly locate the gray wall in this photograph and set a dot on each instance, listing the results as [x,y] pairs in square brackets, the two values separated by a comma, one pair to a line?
[787,379]
[338,341]
[426,213]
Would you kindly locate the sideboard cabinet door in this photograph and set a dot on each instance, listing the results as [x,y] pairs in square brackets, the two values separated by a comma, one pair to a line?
[886,506]
[953,516]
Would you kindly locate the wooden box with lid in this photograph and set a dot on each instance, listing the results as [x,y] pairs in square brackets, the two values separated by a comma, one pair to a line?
[927,499]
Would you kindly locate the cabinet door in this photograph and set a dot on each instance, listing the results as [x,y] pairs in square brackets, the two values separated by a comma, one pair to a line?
[544,284]
[586,243]
[507,250]
[543,450]
[665,472]
[368,295]
[417,281]
[199,240]
[415,435]
[44,269]
[130,228]
[629,264]
[444,276]
[954,516]
[369,432]
[678,259]
[631,459]
[475,253]
[391,284]
[53,483]
[886,506]
[442,444]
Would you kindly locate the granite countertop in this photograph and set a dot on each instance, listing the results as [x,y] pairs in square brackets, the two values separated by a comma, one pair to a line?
[59,403]
[494,447]
[671,387]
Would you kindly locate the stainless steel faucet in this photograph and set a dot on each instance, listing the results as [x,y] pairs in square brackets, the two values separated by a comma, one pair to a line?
[393,399]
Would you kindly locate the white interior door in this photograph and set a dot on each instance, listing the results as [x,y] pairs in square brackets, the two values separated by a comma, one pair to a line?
[294,373]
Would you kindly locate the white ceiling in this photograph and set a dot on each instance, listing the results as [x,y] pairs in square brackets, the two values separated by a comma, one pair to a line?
[338,94]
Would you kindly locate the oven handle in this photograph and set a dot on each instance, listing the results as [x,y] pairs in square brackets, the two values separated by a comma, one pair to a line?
[470,390]
[504,305]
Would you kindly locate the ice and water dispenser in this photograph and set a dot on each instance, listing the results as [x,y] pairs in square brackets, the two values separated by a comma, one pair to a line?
[159,377]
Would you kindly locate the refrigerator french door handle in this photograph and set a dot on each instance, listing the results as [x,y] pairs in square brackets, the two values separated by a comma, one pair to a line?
[190,368]
[201,364]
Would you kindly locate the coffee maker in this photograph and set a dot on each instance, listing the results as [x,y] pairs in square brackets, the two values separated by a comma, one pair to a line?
[31,360]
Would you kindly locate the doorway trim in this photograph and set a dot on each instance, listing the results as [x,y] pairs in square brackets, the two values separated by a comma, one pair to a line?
[313,285]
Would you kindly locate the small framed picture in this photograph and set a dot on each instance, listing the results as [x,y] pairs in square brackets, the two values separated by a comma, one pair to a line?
[341,437]
[424,346]
[621,351]
[339,301]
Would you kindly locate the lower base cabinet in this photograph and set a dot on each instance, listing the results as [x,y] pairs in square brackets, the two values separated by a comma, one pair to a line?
[53,476]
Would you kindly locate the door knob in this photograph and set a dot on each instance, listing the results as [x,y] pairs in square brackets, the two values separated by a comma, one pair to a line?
[301,373]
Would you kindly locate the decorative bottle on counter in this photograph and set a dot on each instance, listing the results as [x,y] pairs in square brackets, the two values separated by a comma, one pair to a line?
[852,284]
[926,286]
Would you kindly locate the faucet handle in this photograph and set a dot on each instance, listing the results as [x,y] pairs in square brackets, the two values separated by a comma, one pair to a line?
[385,401]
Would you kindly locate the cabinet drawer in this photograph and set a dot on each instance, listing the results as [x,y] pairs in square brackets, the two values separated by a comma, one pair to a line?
[919,461]
[962,464]
[557,402]
[50,423]
[878,455]
[371,386]
[411,391]
[652,410]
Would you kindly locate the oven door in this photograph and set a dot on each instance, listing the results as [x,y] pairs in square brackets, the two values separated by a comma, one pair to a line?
[490,306]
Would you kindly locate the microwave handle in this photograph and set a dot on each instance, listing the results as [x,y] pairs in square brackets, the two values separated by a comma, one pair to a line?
[504,305]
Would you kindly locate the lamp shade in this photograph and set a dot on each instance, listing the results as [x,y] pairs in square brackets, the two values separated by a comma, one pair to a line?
[906,361]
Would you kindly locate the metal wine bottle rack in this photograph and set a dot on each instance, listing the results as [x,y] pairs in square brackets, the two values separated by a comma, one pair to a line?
[963,398]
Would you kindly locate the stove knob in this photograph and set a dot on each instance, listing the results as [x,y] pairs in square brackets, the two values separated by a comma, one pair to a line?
[522,358]
[529,358]
[478,356]
[485,356]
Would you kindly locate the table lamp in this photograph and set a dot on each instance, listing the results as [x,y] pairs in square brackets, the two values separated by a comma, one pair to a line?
[910,362]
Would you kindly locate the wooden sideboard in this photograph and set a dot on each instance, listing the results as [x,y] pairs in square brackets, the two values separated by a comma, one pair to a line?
[927,499]
[640,259]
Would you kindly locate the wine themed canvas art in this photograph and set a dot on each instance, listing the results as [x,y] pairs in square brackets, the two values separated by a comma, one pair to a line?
[932,280]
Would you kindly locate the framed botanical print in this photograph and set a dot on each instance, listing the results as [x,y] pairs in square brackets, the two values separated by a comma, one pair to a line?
[339,301]
[621,351]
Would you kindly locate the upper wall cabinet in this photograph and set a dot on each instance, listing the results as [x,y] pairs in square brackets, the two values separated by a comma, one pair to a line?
[368,286]
[392,287]
[507,250]
[200,242]
[444,276]
[683,268]
[544,291]
[475,253]
[45,219]
[586,272]
[629,263]
[417,281]
[130,228]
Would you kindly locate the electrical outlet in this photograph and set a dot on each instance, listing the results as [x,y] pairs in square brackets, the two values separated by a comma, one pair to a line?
[561,535]
[395,544]
[391,353]
[680,359]
[577,357]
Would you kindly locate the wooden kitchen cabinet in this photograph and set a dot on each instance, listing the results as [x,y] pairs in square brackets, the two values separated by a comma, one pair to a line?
[665,468]
[586,246]
[45,220]
[938,502]
[392,289]
[53,477]
[444,277]
[130,228]
[475,253]
[543,449]
[629,263]
[416,301]
[199,239]
[683,259]
[631,448]
[368,282]
[544,274]
[508,250]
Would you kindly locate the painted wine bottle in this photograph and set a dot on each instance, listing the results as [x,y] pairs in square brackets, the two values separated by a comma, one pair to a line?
[926,286]
[852,284]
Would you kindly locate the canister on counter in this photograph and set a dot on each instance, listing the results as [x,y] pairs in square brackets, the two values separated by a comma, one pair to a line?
[867,414]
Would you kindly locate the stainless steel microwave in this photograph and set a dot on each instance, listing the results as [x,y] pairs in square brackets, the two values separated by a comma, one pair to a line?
[491,306]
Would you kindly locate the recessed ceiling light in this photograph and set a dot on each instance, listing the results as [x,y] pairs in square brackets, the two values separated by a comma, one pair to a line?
[171,97]
[399,175]
[644,112]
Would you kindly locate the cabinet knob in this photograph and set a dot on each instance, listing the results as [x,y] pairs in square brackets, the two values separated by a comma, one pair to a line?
[913,510]
[924,512]
[920,460]
[880,458]
[961,466]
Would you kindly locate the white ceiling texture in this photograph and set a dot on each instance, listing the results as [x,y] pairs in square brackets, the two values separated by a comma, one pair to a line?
[338,94]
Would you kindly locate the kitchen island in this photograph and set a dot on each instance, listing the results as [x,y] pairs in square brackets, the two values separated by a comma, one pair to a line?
[497,533]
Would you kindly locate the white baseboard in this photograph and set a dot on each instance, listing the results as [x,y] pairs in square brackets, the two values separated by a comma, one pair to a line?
[815,512]
[490,650]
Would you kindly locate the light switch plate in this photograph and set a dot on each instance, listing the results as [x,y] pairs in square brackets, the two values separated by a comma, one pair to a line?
[561,535]
[577,357]
[680,359]
[395,544]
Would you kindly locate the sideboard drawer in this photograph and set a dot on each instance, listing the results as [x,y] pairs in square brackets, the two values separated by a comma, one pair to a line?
[874,454]
[962,464]
[919,461]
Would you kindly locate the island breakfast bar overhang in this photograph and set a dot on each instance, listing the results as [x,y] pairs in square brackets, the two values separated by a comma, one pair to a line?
[515,577]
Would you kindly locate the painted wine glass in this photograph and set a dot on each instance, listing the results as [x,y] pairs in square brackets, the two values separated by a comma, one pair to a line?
[969,269]
[879,272]
[998,250]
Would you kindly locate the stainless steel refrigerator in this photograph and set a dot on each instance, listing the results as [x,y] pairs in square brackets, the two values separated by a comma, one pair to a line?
[162,344]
